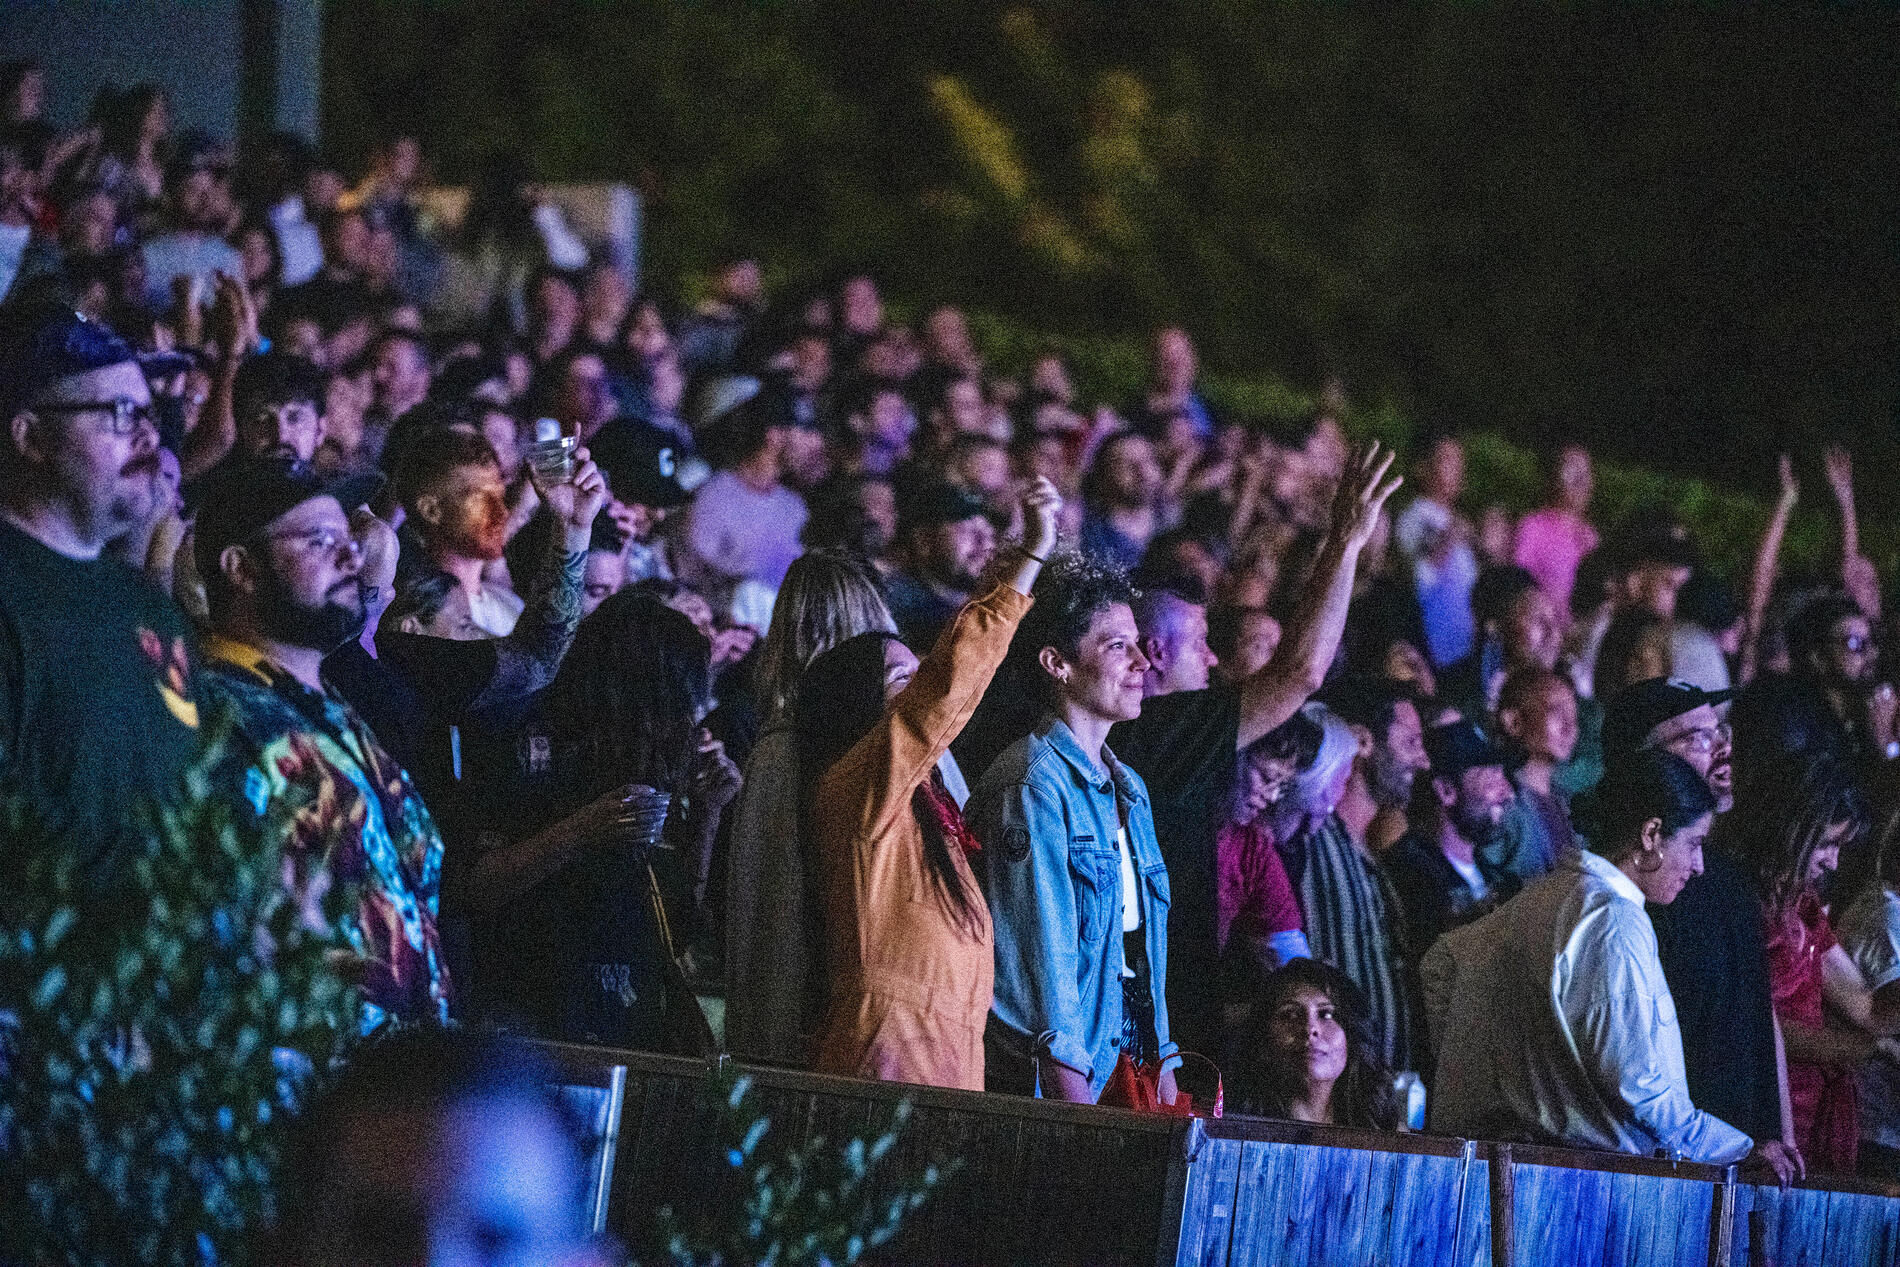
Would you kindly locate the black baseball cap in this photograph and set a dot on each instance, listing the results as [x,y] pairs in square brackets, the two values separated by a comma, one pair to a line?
[43,342]
[243,497]
[937,503]
[641,464]
[1458,746]
[1640,707]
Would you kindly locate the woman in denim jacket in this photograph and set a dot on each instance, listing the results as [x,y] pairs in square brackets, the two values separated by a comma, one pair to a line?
[1077,889]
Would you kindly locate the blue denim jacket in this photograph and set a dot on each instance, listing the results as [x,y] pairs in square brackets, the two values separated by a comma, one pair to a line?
[1047,821]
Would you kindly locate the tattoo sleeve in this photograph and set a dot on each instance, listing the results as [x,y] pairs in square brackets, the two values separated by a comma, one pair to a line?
[526,660]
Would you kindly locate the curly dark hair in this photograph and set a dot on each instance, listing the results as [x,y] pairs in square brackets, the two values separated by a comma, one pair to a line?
[1363,1095]
[1072,590]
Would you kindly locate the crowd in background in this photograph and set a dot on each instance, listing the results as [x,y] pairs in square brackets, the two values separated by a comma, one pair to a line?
[775,670]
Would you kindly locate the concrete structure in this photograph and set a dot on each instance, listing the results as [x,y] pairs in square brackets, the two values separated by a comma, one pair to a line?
[230,67]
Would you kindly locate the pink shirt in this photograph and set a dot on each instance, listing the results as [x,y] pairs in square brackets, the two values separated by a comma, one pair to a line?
[1550,544]
[1252,891]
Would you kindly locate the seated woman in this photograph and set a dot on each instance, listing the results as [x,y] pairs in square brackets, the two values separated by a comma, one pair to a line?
[1553,1018]
[908,939]
[1307,1053]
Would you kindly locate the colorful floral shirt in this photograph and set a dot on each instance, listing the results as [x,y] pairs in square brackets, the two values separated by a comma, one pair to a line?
[349,807]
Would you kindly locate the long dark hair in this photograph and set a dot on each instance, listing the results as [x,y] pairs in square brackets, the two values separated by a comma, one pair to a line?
[1363,1095]
[1783,810]
[840,698]
[629,696]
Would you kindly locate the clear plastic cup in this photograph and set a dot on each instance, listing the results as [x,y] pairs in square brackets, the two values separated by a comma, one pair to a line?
[552,461]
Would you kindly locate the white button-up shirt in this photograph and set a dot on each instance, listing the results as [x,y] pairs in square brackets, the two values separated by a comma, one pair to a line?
[1554,1024]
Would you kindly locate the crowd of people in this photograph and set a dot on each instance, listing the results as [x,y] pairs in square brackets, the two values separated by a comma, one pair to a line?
[776,671]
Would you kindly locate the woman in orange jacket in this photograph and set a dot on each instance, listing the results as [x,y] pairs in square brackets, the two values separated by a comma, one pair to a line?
[907,931]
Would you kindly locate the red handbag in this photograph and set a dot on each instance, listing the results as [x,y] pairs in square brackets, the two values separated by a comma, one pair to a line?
[1135,1085]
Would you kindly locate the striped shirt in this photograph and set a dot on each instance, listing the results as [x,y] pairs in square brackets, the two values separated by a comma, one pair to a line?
[1351,923]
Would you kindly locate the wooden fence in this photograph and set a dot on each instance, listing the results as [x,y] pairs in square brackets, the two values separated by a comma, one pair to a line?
[1057,1183]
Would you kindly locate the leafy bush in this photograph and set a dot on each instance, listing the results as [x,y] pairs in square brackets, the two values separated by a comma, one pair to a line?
[814,1203]
[154,1051]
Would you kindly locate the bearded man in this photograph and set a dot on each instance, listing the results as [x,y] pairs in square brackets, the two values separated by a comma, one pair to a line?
[1438,868]
[284,579]
[451,487]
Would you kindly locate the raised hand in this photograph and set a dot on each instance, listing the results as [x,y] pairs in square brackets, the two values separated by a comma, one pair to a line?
[576,500]
[1839,465]
[231,323]
[1042,511]
[1363,493]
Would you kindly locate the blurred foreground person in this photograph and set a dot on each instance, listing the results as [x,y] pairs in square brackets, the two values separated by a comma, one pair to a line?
[436,1148]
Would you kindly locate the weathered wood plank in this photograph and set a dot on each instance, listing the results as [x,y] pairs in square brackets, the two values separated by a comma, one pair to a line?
[1207,1209]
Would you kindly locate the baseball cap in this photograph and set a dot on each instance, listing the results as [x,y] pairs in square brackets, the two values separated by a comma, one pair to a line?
[242,498]
[641,464]
[1640,707]
[43,342]
[1458,746]
[936,504]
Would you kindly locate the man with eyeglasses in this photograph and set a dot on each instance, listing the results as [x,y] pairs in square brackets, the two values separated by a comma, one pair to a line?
[1831,701]
[284,579]
[199,211]
[1710,938]
[90,653]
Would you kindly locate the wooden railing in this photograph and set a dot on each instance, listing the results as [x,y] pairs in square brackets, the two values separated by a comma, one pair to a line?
[1058,1183]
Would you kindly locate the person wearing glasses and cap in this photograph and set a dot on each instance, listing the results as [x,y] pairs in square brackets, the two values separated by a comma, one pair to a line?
[89,652]
[1709,940]
[284,579]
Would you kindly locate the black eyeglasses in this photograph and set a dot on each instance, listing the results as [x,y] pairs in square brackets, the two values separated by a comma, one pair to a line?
[126,413]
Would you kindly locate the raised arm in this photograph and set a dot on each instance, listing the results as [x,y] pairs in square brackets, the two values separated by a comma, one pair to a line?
[232,332]
[1761,579]
[526,660]
[881,770]
[1298,668]
[1857,573]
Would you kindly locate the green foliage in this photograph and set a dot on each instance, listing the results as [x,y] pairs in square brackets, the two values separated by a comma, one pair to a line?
[1493,217]
[167,1017]
[794,1206]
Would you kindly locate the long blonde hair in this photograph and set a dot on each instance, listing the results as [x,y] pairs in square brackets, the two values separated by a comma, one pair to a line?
[828,596]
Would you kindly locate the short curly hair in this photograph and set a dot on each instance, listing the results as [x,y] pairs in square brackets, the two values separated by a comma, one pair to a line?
[1073,589]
